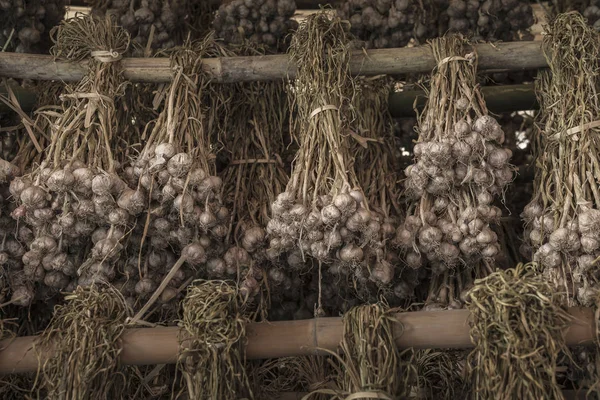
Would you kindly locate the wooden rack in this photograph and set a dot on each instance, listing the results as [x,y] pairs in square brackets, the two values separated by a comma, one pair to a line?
[421,329]
[510,56]
[501,98]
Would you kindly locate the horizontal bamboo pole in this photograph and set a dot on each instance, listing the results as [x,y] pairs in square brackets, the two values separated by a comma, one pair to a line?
[498,99]
[433,329]
[399,61]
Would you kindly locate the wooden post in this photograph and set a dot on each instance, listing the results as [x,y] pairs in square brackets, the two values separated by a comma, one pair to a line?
[399,61]
[434,329]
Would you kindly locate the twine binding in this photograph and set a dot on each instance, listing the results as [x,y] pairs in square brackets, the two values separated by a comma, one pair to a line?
[468,58]
[106,56]
[321,109]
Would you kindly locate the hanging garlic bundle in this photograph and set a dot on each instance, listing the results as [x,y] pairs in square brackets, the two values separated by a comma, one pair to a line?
[11,251]
[460,165]
[266,22]
[323,213]
[376,165]
[72,194]
[175,173]
[252,179]
[26,149]
[563,218]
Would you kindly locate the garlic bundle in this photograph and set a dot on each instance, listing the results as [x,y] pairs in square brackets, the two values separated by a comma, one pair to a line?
[13,284]
[323,213]
[184,219]
[460,166]
[562,221]
[73,192]
[387,23]
[25,25]
[266,22]
[376,163]
[253,177]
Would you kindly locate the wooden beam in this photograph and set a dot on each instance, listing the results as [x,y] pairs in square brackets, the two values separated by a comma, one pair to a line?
[434,329]
[407,60]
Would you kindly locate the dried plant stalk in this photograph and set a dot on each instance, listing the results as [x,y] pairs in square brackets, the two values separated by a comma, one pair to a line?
[211,357]
[323,213]
[460,166]
[518,327]
[84,340]
[563,218]
[369,365]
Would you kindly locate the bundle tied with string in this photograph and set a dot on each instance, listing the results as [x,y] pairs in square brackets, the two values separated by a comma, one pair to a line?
[323,212]
[174,176]
[211,356]
[72,194]
[460,167]
[252,179]
[79,351]
[562,221]
[518,326]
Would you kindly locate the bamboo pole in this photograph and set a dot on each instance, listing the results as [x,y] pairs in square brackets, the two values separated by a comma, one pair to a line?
[498,99]
[434,329]
[406,60]
[501,98]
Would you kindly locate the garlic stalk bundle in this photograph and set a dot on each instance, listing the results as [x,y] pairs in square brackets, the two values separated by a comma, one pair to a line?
[253,177]
[184,216]
[376,164]
[265,22]
[322,213]
[14,286]
[73,192]
[460,167]
[562,220]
